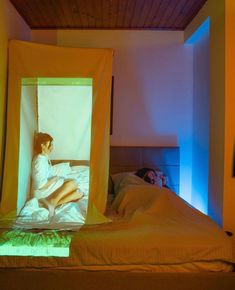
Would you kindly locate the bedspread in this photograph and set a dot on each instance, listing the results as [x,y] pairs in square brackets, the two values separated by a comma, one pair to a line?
[160,234]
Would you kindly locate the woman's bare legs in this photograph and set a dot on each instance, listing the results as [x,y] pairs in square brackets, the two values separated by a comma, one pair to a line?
[66,193]
[73,196]
[66,189]
[49,206]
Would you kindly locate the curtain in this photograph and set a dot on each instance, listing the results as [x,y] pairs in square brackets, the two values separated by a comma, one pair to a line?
[30,60]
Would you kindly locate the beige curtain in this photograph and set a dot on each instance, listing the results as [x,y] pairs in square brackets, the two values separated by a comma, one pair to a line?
[30,60]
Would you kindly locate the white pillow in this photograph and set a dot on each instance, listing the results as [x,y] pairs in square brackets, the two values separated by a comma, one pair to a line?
[80,167]
[61,169]
[123,179]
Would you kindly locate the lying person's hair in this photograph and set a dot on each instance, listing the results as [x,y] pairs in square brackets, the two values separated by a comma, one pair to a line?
[142,173]
[158,179]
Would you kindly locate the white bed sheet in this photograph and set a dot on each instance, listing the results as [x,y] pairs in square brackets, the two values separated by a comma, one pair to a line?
[72,214]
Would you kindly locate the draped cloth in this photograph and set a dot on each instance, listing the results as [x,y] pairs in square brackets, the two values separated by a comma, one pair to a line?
[31,60]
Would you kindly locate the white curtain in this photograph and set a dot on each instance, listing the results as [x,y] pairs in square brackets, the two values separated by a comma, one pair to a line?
[65,113]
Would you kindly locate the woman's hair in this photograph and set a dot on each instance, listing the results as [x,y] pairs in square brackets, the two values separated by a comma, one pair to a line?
[41,138]
[142,173]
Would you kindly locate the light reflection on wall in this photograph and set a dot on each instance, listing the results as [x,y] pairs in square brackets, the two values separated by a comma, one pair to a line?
[200,142]
[185,168]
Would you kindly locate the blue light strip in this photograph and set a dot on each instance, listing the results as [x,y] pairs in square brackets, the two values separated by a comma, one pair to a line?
[200,32]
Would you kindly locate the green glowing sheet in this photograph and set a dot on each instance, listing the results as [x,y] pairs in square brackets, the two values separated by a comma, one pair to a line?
[40,244]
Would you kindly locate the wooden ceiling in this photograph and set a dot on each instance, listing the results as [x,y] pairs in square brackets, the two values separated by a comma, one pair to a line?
[108,14]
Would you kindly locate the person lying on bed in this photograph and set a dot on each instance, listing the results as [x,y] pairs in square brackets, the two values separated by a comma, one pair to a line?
[50,190]
[152,176]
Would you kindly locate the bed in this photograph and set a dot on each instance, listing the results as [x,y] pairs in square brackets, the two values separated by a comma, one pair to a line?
[146,245]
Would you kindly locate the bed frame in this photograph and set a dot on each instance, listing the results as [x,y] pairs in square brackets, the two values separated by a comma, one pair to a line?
[109,280]
[122,159]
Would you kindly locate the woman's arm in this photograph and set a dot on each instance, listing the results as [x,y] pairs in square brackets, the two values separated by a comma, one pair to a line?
[41,174]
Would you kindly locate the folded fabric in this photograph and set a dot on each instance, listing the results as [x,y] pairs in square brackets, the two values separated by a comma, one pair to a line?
[125,178]
[61,169]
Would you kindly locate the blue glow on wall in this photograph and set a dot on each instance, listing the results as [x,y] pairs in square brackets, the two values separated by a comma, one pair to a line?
[200,141]
[185,168]
[203,29]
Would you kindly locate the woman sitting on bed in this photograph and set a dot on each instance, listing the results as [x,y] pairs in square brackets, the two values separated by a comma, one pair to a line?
[152,176]
[49,189]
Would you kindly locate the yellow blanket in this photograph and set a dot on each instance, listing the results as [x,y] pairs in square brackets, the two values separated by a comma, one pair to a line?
[153,227]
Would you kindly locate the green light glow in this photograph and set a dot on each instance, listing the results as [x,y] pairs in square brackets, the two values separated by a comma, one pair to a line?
[43,244]
[57,81]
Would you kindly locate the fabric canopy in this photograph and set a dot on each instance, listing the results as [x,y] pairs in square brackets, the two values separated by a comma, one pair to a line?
[30,60]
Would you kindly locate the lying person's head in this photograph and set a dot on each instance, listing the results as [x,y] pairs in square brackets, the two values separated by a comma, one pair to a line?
[152,176]
[148,174]
[43,143]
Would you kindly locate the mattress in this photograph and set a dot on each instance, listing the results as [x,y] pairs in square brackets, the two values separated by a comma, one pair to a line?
[152,229]
[122,250]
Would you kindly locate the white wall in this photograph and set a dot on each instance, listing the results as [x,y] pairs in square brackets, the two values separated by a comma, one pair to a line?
[17,28]
[153,87]
[12,26]
[28,125]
